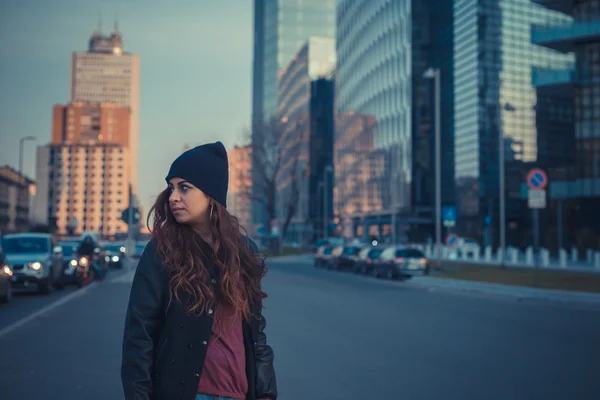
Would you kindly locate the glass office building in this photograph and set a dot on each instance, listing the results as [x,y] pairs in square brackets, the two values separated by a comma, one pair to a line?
[281,27]
[495,65]
[576,186]
[384,145]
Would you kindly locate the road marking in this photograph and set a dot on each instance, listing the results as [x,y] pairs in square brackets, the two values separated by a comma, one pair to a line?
[46,309]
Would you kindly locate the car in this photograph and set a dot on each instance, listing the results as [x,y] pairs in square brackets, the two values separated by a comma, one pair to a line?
[322,256]
[114,254]
[336,252]
[70,258]
[400,262]
[366,258]
[35,260]
[6,274]
[347,258]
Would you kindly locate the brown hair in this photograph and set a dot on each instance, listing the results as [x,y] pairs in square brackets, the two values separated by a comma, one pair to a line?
[179,249]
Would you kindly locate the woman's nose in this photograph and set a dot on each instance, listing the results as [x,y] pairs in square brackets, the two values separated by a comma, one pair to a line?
[174,197]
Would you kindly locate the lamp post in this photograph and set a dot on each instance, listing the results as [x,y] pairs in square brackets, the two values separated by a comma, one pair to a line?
[326,173]
[434,73]
[21,143]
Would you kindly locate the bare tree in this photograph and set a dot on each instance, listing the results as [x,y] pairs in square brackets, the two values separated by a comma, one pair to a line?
[270,159]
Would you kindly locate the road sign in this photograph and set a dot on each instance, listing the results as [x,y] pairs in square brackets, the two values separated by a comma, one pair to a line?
[449,215]
[452,240]
[537,198]
[136,216]
[537,179]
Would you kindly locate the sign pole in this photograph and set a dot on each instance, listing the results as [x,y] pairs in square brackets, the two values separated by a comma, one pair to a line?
[536,243]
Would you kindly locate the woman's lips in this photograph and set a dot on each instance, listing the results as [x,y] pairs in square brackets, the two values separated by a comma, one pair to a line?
[176,210]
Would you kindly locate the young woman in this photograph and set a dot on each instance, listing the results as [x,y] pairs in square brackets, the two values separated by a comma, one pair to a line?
[194,328]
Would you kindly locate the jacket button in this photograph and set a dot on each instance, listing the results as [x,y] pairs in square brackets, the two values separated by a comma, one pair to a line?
[214,281]
[210,311]
[256,343]
[172,361]
[182,382]
[190,346]
[204,343]
[197,375]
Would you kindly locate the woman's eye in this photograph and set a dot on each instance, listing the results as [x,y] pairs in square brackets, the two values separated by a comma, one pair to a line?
[184,188]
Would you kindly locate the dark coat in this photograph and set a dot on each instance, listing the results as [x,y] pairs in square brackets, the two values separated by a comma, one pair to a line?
[164,348]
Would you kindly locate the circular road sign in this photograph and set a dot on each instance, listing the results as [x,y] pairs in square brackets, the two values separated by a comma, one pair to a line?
[537,179]
[452,240]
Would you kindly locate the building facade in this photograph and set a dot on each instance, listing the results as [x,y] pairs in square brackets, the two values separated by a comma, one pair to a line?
[108,74]
[86,187]
[240,184]
[15,193]
[574,189]
[84,122]
[281,28]
[384,145]
[496,98]
[316,59]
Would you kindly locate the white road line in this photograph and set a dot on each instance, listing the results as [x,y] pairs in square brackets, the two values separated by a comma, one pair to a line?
[46,309]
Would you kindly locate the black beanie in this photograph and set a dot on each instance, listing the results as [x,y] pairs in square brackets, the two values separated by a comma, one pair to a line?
[205,167]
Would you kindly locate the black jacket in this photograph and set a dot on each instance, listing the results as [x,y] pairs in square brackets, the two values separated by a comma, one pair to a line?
[86,249]
[164,348]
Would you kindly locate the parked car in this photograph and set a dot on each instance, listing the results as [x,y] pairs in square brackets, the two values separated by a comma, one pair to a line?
[114,254]
[396,262]
[6,274]
[322,256]
[35,260]
[336,252]
[366,258]
[347,258]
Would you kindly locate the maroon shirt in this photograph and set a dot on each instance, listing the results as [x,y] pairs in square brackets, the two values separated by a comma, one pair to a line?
[224,371]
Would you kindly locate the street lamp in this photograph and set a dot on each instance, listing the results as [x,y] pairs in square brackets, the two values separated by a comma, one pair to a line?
[434,73]
[21,143]
[502,205]
[326,173]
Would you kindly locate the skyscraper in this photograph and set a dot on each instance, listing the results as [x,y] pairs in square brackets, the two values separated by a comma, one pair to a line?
[108,74]
[281,27]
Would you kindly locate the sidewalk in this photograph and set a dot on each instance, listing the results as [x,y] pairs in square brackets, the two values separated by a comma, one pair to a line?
[518,292]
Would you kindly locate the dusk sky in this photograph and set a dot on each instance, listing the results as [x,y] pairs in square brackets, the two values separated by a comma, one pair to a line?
[196,70]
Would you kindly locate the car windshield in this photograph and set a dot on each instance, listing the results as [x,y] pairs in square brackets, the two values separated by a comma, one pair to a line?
[68,248]
[351,251]
[327,250]
[25,245]
[412,253]
[374,253]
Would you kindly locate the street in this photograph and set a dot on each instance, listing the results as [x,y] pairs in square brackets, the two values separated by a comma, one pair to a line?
[335,336]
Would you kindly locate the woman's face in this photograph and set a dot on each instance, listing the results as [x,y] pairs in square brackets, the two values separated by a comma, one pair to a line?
[189,204]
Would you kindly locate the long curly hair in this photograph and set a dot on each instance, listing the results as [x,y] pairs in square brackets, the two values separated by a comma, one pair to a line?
[181,252]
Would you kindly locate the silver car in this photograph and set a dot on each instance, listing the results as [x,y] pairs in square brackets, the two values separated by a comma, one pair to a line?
[35,261]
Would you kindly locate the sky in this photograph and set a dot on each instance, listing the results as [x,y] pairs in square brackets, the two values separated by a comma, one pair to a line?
[196,73]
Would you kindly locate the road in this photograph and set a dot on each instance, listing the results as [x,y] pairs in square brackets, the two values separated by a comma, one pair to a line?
[335,335]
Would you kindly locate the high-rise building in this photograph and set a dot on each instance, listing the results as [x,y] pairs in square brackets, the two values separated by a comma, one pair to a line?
[281,27]
[86,187]
[315,60]
[240,182]
[574,190]
[385,115]
[15,192]
[108,74]
[84,173]
[495,96]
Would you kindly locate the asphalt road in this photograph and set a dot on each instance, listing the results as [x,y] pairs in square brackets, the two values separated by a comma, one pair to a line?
[335,336]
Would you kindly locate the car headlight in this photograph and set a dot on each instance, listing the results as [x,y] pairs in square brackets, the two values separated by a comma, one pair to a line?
[107,258]
[115,259]
[83,261]
[7,270]
[36,265]
[73,263]
[123,249]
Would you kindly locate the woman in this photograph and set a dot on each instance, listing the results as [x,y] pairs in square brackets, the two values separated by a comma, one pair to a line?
[194,328]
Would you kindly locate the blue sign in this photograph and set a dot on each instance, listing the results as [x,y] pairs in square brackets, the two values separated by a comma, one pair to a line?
[449,214]
[452,240]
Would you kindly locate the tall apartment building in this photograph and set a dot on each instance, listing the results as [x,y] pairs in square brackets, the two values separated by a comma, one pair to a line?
[15,192]
[108,74]
[240,182]
[281,28]
[84,171]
